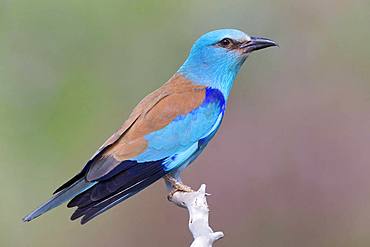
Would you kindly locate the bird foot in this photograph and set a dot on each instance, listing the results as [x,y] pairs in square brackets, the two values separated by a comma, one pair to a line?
[179,188]
[176,186]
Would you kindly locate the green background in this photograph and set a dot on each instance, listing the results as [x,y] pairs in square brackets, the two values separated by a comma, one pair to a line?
[289,167]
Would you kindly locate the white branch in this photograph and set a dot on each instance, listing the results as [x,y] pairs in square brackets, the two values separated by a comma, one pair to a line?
[196,203]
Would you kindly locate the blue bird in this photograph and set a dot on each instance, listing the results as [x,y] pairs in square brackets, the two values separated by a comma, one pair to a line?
[165,132]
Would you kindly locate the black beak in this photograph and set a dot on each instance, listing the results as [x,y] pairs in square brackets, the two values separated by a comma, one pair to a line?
[257,43]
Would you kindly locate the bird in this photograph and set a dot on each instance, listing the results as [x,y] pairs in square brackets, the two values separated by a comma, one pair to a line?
[165,132]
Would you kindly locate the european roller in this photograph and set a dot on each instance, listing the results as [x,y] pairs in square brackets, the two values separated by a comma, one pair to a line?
[165,132]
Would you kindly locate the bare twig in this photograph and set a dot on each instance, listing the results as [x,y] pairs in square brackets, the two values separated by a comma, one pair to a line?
[195,202]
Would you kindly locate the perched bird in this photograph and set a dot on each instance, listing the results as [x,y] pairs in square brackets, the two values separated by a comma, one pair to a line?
[165,132]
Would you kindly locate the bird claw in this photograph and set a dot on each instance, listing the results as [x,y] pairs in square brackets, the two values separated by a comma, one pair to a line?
[179,187]
[176,187]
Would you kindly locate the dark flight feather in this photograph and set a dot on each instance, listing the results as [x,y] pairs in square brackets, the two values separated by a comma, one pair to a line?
[108,191]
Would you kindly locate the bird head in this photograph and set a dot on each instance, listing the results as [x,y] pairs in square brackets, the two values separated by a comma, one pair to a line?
[216,57]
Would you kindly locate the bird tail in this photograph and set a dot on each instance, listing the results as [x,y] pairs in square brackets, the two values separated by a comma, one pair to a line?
[59,198]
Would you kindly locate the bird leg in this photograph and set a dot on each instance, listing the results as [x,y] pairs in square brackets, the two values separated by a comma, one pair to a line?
[176,185]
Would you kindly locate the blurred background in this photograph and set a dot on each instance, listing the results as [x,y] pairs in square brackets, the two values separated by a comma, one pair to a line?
[290,165]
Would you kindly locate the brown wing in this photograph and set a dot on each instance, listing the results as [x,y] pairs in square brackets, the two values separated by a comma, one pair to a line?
[176,97]
[176,85]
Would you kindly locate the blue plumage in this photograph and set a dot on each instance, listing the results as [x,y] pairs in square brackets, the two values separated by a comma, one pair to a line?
[184,131]
[214,66]
[140,152]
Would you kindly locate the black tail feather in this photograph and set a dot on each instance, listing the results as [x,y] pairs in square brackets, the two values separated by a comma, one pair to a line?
[113,190]
[119,197]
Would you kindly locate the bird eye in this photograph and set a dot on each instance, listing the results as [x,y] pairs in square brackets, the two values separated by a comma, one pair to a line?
[226,42]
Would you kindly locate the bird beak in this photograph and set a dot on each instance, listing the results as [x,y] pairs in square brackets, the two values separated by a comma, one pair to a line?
[257,43]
